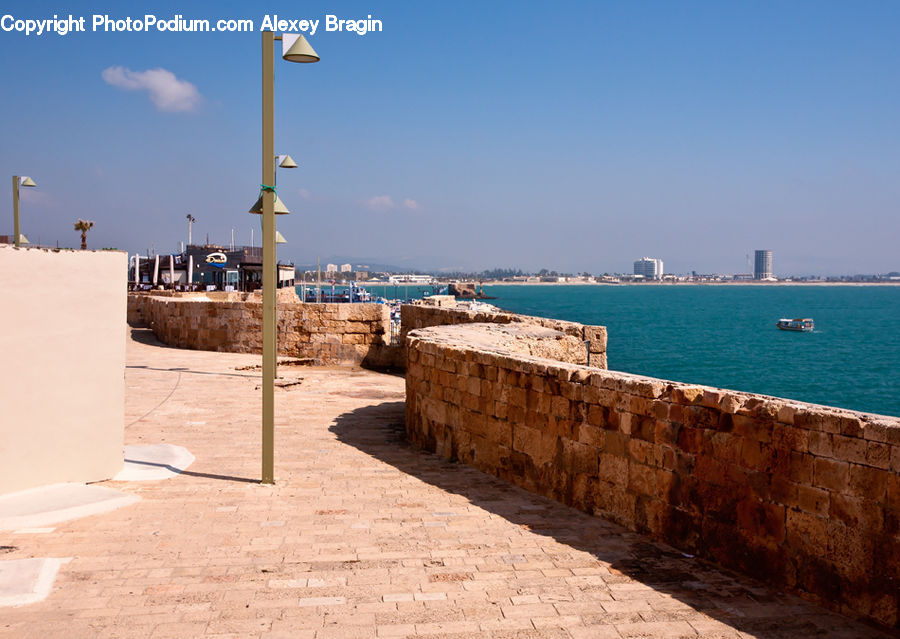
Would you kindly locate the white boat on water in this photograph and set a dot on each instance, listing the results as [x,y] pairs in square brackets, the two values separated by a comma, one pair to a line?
[804,325]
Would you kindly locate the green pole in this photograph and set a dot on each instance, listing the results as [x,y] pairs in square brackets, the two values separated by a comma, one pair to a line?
[268,242]
[16,209]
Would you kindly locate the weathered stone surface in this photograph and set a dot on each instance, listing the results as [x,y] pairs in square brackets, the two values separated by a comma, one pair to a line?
[232,322]
[801,495]
[416,316]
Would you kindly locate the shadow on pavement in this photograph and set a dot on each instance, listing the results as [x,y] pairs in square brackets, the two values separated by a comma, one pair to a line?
[191,473]
[144,335]
[188,370]
[740,602]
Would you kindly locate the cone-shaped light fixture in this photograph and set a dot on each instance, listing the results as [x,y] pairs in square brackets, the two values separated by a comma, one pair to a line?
[279,238]
[295,48]
[26,181]
[280,208]
[287,162]
[23,239]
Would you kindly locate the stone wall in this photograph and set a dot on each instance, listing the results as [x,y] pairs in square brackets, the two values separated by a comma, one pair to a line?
[329,333]
[138,300]
[414,316]
[803,496]
[323,333]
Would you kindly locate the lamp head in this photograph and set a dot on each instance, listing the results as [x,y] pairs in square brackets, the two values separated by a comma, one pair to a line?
[287,162]
[295,48]
[279,238]
[26,181]
[280,208]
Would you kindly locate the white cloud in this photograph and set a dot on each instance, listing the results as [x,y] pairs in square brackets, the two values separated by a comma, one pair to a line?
[411,204]
[380,203]
[166,91]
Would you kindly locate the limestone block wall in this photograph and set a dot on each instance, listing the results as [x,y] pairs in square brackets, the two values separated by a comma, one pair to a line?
[325,333]
[799,495]
[62,367]
[138,300]
[413,317]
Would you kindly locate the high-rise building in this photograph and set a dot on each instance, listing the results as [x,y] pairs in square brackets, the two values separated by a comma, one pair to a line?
[762,265]
[346,268]
[649,267]
[331,268]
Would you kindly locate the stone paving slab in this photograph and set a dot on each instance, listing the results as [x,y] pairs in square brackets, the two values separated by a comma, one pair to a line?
[47,505]
[25,581]
[361,536]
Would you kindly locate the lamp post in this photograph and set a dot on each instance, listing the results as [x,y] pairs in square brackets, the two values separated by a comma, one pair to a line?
[294,48]
[17,182]
[191,219]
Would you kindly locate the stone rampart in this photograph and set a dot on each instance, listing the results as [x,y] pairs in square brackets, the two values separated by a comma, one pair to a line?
[323,333]
[799,495]
[414,316]
[138,300]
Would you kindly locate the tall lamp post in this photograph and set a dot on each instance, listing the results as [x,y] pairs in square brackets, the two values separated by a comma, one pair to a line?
[191,219]
[17,182]
[294,48]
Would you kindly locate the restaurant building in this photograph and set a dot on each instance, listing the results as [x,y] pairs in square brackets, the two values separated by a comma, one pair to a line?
[206,268]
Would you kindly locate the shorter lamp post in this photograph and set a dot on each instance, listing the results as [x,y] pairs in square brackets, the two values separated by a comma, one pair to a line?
[17,182]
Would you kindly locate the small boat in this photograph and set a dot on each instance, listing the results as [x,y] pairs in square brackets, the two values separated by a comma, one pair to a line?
[805,325]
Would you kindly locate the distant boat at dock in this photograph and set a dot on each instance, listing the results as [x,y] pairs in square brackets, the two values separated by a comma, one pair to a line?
[804,325]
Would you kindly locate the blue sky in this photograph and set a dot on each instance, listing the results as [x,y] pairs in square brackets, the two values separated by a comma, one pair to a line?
[568,135]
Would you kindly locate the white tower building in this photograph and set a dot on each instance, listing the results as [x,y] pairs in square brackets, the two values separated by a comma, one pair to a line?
[651,268]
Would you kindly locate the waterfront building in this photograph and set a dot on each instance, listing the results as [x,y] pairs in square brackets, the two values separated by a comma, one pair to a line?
[331,268]
[762,266]
[346,268]
[649,267]
[213,267]
[411,278]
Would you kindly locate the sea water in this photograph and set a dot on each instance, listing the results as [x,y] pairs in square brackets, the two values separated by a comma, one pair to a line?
[725,336]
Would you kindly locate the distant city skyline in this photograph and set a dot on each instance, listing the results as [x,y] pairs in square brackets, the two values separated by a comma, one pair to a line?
[695,132]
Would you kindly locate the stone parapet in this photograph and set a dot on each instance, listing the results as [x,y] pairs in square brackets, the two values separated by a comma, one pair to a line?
[414,316]
[803,496]
[324,333]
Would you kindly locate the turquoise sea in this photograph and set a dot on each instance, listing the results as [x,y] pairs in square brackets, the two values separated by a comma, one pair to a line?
[725,336]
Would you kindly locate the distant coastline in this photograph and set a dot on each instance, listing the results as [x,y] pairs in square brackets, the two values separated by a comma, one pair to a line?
[735,283]
[369,283]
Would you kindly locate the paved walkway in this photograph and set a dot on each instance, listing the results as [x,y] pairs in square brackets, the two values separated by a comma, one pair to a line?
[360,537]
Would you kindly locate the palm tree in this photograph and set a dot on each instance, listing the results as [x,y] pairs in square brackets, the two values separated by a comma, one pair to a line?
[84,226]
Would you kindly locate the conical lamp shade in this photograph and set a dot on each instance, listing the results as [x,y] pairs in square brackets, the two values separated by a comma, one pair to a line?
[23,239]
[288,163]
[279,238]
[27,181]
[295,48]
[280,208]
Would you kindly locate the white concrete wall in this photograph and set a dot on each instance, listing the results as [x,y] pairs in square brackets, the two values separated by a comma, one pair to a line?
[62,365]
